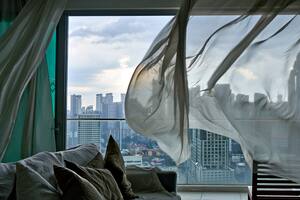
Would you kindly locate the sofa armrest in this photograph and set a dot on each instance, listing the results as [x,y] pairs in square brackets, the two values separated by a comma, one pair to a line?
[168,180]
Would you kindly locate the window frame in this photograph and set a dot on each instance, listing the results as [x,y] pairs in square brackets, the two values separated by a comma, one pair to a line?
[62,60]
[62,79]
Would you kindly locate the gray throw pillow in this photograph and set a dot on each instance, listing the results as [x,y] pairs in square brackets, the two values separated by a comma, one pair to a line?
[31,185]
[75,187]
[115,164]
[101,179]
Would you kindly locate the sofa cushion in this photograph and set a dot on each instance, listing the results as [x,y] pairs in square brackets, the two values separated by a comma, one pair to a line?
[97,162]
[42,163]
[7,179]
[137,177]
[158,196]
[101,179]
[31,185]
[80,155]
[75,187]
[115,164]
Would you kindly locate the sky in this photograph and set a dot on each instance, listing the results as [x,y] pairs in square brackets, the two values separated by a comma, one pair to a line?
[104,51]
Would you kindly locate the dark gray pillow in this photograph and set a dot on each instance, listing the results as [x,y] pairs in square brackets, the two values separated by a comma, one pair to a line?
[75,187]
[97,162]
[115,164]
[101,179]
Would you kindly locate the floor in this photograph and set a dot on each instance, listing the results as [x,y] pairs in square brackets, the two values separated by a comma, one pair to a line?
[212,196]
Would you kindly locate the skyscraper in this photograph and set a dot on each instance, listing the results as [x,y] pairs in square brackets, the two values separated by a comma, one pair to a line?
[75,105]
[108,99]
[99,102]
[210,154]
[89,131]
[73,125]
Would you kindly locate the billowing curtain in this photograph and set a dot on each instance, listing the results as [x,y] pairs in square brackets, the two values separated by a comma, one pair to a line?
[237,76]
[27,77]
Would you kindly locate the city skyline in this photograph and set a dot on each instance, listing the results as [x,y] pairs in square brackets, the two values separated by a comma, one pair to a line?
[117,98]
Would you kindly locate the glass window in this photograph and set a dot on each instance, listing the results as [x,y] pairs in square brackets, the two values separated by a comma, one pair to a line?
[102,55]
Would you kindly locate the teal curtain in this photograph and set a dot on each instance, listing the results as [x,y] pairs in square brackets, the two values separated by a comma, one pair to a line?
[34,131]
[51,62]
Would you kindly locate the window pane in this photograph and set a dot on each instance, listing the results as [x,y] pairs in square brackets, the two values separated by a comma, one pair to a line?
[103,53]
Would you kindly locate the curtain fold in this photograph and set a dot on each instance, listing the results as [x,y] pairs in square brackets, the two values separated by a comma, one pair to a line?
[243,82]
[22,62]
[153,95]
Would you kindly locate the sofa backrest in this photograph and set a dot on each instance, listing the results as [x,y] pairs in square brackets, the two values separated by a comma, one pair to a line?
[43,163]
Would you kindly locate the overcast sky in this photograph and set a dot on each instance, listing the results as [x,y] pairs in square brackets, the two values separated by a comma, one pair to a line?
[104,51]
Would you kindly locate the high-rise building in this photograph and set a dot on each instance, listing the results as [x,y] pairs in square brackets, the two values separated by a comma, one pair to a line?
[75,105]
[73,125]
[89,131]
[210,155]
[108,99]
[99,103]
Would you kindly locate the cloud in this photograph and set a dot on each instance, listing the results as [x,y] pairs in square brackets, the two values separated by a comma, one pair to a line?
[247,73]
[124,61]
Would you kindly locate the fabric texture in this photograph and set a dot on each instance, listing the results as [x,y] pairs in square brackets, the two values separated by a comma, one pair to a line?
[115,164]
[81,155]
[7,179]
[242,80]
[147,184]
[42,163]
[42,166]
[144,181]
[75,187]
[31,185]
[97,162]
[101,179]
[23,48]
[156,103]
[25,137]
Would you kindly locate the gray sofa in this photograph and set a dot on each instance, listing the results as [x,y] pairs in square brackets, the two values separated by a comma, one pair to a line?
[12,185]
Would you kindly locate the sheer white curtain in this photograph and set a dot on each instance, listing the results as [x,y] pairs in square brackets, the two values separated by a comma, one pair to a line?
[242,74]
[22,49]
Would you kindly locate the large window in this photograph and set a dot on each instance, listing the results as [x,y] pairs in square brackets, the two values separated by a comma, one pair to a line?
[102,55]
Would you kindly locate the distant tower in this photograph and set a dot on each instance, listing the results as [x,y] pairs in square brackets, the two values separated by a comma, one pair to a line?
[99,103]
[108,99]
[75,105]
